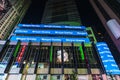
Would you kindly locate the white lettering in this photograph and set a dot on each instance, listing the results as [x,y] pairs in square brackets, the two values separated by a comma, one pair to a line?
[52,26]
[102,44]
[104,52]
[114,65]
[21,31]
[26,39]
[82,33]
[75,27]
[56,39]
[106,48]
[110,56]
[108,61]
[45,39]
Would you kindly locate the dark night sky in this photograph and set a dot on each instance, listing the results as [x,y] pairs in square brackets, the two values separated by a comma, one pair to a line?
[34,12]
[87,14]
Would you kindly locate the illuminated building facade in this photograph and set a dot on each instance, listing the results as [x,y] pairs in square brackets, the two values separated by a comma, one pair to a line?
[54,52]
[11,13]
[58,49]
[108,12]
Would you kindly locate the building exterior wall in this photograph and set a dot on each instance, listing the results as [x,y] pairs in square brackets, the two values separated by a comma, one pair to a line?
[60,11]
[34,55]
[12,16]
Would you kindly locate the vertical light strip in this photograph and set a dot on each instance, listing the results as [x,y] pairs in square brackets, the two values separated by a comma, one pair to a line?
[81,53]
[51,50]
[16,50]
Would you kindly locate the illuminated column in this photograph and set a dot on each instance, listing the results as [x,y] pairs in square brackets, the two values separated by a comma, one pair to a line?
[81,53]
[16,49]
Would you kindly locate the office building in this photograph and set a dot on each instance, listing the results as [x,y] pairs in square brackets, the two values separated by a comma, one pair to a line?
[61,12]
[11,13]
[58,49]
[108,13]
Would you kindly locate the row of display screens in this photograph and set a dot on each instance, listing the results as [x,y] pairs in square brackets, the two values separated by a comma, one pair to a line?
[23,31]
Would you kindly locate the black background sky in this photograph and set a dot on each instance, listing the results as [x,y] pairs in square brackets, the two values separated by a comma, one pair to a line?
[35,11]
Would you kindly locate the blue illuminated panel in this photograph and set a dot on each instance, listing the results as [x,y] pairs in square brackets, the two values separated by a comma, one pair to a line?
[53,32]
[108,61]
[48,39]
[50,26]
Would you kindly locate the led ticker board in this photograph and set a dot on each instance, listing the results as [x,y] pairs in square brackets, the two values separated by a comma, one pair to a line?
[50,26]
[107,59]
[52,32]
[48,39]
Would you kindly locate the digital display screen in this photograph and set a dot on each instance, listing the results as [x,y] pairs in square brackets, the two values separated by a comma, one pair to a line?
[107,59]
[52,32]
[50,26]
[48,39]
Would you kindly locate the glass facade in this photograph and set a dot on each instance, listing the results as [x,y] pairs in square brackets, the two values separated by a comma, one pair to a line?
[10,15]
[61,10]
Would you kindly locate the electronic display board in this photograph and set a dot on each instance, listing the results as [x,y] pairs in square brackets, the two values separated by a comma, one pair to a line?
[52,32]
[50,26]
[48,39]
[107,59]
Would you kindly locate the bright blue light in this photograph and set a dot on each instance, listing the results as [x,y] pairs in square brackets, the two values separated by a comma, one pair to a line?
[48,39]
[53,32]
[108,61]
[50,26]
